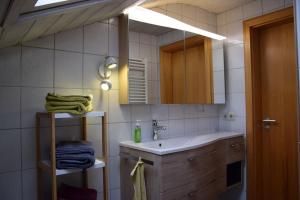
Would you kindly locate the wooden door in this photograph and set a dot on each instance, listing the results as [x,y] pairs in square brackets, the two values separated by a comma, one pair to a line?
[279,102]
[195,75]
[178,78]
[273,106]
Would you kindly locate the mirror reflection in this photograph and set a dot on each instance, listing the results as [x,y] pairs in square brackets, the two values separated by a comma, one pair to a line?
[170,66]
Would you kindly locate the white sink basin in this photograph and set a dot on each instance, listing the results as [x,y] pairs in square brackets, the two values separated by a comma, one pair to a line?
[172,145]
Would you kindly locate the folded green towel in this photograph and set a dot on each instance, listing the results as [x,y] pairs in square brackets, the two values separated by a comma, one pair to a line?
[85,100]
[138,179]
[73,104]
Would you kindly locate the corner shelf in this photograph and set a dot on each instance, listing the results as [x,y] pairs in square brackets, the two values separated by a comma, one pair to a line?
[49,166]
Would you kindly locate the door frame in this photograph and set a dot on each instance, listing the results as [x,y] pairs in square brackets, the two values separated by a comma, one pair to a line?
[250,76]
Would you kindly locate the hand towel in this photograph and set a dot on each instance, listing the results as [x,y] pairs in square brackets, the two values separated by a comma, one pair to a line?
[138,180]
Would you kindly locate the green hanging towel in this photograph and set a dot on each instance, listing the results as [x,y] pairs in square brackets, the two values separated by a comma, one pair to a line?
[138,180]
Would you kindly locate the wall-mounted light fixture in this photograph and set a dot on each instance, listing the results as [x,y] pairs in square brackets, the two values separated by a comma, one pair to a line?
[105,72]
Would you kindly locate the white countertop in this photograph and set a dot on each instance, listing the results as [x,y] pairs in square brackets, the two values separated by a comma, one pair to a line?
[172,145]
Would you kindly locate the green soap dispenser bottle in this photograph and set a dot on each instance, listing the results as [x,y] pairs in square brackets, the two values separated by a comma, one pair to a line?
[137,132]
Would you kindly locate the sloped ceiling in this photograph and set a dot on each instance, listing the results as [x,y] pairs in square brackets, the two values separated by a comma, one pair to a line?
[215,6]
[19,22]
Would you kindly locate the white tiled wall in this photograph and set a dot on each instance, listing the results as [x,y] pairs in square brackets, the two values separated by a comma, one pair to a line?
[67,63]
[191,15]
[229,24]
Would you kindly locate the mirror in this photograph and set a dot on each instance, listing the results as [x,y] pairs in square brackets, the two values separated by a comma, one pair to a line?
[145,41]
[169,66]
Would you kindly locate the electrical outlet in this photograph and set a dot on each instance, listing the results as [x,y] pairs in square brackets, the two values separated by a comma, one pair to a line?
[229,116]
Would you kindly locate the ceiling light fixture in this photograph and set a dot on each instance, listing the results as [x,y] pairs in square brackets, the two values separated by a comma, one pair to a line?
[46,2]
[138,13]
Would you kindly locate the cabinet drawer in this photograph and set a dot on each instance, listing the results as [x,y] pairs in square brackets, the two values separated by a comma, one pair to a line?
[203,189]
[186,167]
[235,149]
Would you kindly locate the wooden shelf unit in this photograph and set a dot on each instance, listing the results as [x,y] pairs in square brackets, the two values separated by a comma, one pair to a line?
[49,166]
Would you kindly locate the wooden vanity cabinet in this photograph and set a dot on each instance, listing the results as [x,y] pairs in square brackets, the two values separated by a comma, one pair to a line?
[194,174]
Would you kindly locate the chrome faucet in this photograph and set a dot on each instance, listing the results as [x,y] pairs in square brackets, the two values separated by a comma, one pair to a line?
[157,129]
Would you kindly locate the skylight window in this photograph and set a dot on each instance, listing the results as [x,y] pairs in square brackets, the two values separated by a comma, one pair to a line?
[47,2]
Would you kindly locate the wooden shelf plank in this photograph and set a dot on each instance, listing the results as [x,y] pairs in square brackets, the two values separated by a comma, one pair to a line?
[46,166]
[90,114]
[67,115]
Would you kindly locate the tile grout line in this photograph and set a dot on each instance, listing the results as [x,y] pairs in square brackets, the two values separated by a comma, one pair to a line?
[20,124]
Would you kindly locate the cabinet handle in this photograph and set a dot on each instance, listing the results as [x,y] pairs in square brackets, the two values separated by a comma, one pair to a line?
[233,145]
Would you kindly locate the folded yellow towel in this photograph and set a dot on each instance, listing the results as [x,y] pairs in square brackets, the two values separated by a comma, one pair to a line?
[85,100]
[73,104]
[138,179]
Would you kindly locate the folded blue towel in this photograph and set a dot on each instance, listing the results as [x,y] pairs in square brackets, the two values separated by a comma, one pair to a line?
[74,155]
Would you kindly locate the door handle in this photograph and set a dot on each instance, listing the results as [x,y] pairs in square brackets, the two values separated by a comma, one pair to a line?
[268,122]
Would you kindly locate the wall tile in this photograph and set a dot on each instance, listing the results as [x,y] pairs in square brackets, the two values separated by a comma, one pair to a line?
[68,69]
[235,33]
[234,56]
[118,113]
[118,132]
[91,77]
[44,42]
[10,107]
[191,126]
[222,19]
[28,149]
[134,50]
[10,186]
[32,101]
[134,37]
[288,3]
[37,67]
[145,52]
[140,112]
[191,111]
[70,40]
[236,80]
[176,128]
[237,104]
[271,5]
[96,38]
[10,148]
[10,66]
[29,184]
[208,125]
[113,41]
[145,39]
[160,112]
[252,9]
[235,14]
[176,111]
